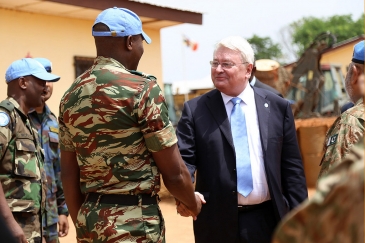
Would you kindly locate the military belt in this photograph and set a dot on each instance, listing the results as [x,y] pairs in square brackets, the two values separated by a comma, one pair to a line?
[246,208]
[121,199]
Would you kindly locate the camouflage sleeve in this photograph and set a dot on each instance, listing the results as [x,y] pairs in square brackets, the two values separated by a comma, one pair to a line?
[65,137]
[340,140]
[153,118]
[335,212]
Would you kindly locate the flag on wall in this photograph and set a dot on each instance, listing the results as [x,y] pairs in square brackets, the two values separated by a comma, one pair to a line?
[189,43]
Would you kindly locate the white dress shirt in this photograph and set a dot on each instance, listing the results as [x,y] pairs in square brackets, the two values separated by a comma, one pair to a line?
[253,81]
[260,192]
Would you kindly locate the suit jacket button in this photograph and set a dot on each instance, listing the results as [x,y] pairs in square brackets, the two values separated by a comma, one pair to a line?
[234,192]
[234,169]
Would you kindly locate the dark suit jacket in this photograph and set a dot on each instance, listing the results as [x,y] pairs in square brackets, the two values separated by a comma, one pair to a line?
[206,145]
[261,85]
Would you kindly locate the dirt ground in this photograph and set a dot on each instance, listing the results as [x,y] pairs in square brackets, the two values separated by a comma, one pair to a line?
[178,229]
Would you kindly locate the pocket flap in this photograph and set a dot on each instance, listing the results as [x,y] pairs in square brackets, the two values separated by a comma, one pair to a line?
[25,145]
[19,205]
[53,137]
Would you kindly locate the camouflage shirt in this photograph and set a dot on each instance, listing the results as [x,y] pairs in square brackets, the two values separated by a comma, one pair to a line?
[47,129]
[113,120]
[21,171]
[347,130]
[335,214]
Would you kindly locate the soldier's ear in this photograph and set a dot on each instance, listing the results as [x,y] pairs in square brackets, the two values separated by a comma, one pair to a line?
[354,75]
[23,83]
[129,42]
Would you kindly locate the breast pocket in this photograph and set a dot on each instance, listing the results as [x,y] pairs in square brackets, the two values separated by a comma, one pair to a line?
[25,159]
[53,140]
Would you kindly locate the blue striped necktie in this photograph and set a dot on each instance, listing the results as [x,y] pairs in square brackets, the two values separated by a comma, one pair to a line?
[240,140]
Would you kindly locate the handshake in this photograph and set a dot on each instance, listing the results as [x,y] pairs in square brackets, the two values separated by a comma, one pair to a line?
[184,211]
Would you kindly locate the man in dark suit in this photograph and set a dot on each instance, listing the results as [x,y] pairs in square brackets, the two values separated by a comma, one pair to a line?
[244,152]
[257,83]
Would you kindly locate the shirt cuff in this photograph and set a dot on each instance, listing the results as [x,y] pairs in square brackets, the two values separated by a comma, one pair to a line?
[63,211]
[161,139]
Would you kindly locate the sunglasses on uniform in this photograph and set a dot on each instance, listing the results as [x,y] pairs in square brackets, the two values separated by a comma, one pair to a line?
[224,65]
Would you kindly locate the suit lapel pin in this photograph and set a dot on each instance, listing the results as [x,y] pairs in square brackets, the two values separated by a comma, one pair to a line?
[266,105]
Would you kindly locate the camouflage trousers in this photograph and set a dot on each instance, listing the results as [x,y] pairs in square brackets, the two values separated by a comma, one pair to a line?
[107,223]
[30,223]
[50,233]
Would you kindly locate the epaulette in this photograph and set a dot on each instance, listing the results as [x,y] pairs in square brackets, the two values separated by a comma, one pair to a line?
[7,105]
[147,76]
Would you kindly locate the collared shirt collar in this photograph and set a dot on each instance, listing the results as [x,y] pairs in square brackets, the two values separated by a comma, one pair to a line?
[253,81]
[247,96]
[46,111]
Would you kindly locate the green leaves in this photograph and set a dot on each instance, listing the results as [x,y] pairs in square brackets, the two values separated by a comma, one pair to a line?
[306,29]
[265,48]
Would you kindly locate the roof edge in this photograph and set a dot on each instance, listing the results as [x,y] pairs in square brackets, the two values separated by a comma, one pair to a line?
[344,43]
[142,9]
[165,6]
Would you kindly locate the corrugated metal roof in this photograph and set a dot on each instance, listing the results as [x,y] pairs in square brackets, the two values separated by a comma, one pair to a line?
[345,42]
[172,4]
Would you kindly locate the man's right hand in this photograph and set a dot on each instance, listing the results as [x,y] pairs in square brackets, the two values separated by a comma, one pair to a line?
[186,212]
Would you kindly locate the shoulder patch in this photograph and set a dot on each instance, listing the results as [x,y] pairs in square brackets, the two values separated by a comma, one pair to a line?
[6,104]
[4,119]
[332,140]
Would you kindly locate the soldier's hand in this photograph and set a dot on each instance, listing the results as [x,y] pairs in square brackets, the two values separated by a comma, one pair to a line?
[182,209]
[63,225]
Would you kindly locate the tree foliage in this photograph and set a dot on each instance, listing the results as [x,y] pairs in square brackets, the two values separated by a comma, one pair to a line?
[305,30]
[265,48]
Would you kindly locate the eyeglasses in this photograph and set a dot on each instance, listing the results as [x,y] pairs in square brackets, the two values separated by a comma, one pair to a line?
[224,65]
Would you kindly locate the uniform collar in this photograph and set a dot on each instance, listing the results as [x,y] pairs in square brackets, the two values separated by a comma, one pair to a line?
[359,101]
[100,60]
[46,110]
[17,107]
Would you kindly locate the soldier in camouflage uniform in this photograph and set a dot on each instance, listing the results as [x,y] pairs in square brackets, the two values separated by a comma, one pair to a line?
[348,129]
[47,126]
[116,138]
[335,214]
[22,190]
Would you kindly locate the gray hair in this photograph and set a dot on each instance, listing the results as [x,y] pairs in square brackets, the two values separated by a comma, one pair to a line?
[238,43]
